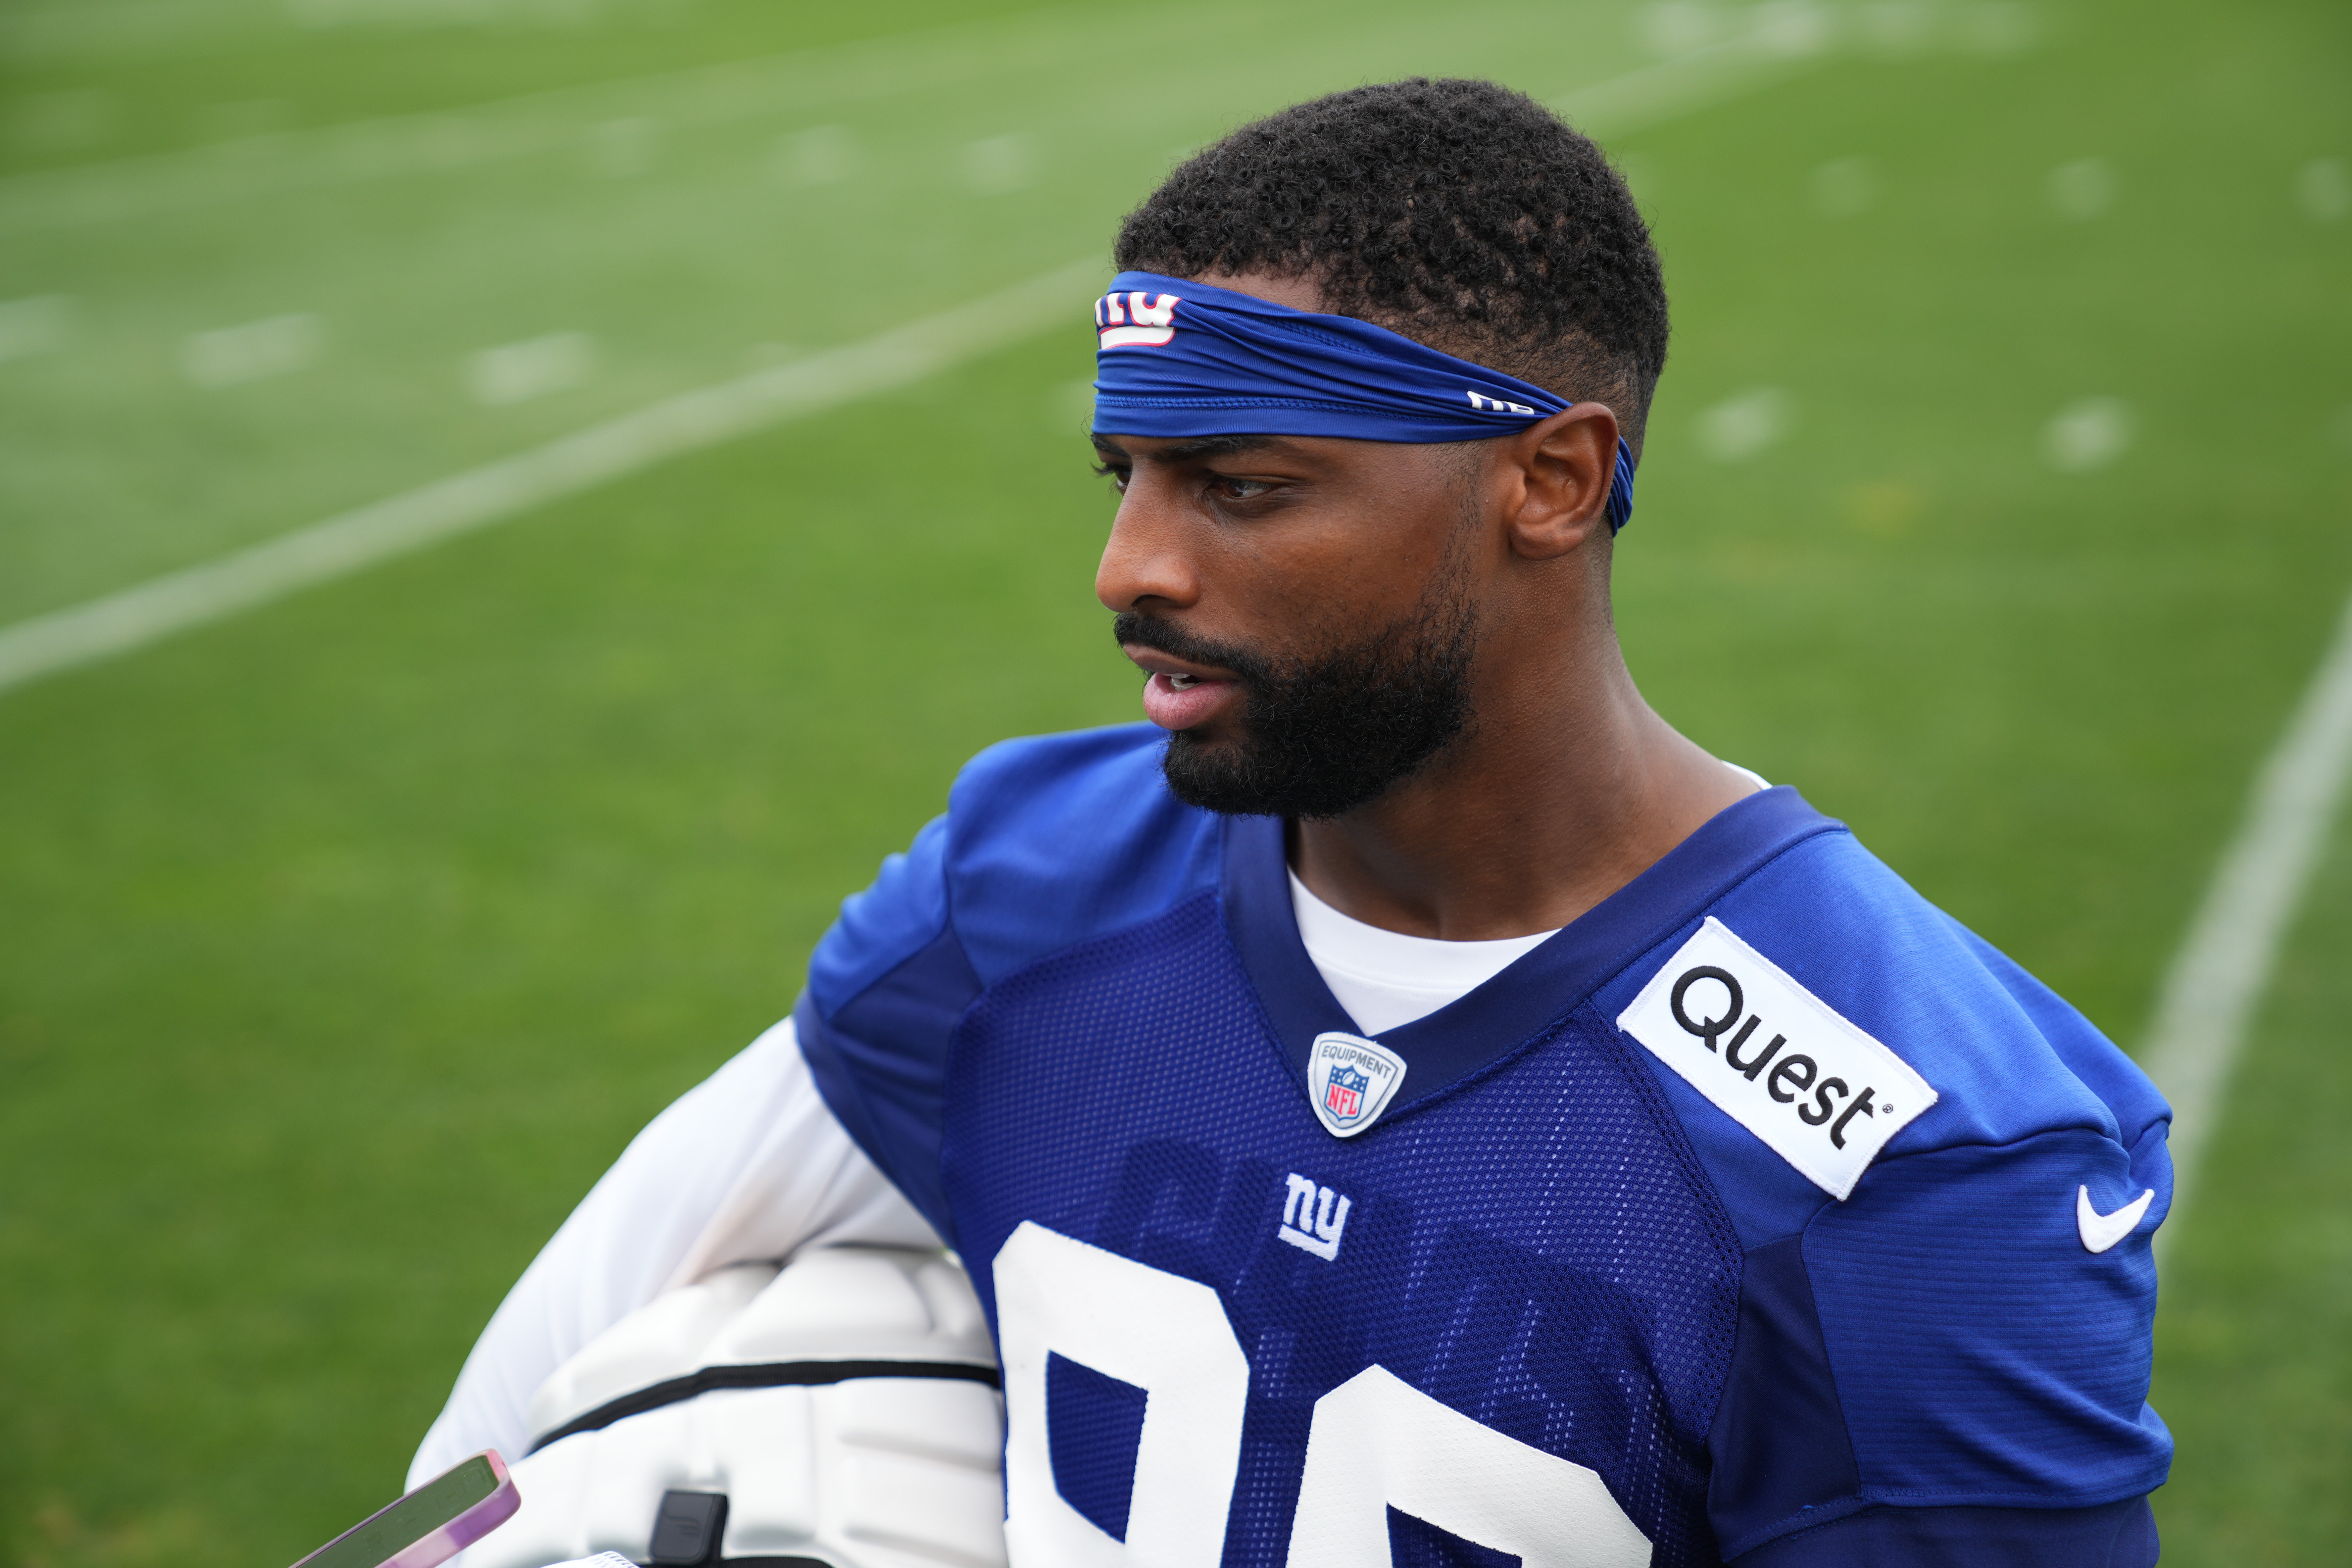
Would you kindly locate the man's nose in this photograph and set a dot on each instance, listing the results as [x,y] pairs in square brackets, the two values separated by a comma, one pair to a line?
[1146,562]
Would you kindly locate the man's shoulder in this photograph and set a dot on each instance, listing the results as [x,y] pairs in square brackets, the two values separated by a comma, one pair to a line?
[1097,787]
[1974,1296]
[2008,1057]
[1867,986]
[1048,840]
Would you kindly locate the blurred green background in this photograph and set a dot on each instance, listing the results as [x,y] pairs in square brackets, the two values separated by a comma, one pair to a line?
[1996,496]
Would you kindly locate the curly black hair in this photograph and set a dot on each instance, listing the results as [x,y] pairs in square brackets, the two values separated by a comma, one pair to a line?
[1461,213]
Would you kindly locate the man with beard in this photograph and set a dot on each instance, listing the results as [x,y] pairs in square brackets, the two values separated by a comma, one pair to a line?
[1407,1103]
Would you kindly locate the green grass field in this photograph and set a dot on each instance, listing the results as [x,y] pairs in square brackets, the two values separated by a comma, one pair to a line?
[1996,496]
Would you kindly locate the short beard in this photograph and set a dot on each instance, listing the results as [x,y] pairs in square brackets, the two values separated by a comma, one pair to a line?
[1323,736]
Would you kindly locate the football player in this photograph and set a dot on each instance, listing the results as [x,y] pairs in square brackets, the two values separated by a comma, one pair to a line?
[1405,1103]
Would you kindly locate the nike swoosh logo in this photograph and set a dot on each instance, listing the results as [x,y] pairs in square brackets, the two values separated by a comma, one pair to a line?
[2101,1231]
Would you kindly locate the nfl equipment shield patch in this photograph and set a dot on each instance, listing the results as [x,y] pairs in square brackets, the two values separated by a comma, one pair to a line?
[1350,1081]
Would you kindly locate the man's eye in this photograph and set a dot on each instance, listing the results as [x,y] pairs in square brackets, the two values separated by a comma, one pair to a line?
[1231,488]
[1117,477]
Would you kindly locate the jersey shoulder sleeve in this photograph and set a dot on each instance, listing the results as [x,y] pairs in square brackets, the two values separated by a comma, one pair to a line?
[1046,841]
[1961,1318]
[1063,838]
[1947,1043]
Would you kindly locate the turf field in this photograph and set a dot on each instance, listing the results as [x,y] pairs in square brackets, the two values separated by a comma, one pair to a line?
[1996,496]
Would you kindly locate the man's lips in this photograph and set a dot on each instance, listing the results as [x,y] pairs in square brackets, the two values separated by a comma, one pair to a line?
[1181,694]
[1180,701]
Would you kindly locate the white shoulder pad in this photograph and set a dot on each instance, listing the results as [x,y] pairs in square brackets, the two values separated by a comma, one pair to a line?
[1776,1058]
[814,1414]
[661,1339]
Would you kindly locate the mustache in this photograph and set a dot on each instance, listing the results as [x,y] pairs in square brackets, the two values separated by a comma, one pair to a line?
[1138,629]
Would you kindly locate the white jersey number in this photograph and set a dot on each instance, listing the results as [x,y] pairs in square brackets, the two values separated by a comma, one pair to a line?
[1376,1441]
[1169,1337]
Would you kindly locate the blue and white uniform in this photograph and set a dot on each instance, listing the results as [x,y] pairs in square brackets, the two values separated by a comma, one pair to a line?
[1572,1248]
[1076,1020]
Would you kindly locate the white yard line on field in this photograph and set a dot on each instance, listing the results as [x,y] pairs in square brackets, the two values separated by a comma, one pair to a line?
[1778,41]
[781,86]
[352,540]
[359,539]
[2218,978]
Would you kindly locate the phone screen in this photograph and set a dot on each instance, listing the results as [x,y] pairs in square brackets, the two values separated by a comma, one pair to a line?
[436,1504]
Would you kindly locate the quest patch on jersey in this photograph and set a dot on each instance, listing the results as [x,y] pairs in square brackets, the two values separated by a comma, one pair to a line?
[1775,1058]
[1350,1081]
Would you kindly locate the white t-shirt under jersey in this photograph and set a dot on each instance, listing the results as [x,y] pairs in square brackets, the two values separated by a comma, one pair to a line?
[1383,978]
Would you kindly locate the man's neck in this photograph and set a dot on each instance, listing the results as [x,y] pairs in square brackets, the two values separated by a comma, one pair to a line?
[1565,790]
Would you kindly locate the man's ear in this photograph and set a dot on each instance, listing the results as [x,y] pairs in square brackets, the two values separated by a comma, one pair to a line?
[1560,471]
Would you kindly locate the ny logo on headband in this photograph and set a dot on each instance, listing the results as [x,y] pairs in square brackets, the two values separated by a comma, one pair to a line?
[1154,323]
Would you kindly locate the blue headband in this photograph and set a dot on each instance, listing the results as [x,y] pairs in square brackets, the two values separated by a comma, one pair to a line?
[1179,358]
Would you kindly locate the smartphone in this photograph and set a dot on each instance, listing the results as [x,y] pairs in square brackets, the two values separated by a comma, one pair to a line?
[431,1524]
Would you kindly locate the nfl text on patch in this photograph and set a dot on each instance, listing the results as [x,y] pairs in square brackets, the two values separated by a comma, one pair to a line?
[1350,1081]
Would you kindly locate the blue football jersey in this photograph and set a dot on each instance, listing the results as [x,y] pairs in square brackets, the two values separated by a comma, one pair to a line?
[1762,1214]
